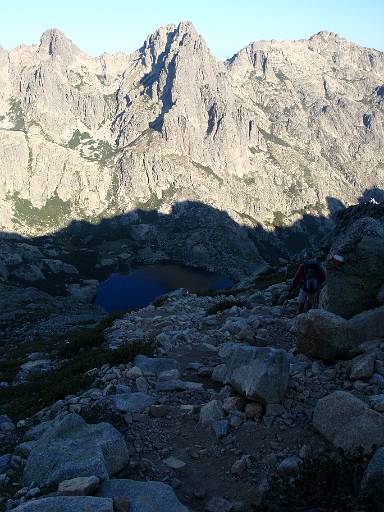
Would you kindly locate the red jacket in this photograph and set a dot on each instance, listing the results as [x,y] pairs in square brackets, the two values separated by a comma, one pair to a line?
[300,274]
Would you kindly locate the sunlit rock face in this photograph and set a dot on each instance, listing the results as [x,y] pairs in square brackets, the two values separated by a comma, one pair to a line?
[280,130]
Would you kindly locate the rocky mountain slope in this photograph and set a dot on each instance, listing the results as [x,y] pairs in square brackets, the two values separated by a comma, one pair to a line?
[279,130]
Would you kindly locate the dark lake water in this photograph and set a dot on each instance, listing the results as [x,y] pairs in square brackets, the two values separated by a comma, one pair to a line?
[124,292]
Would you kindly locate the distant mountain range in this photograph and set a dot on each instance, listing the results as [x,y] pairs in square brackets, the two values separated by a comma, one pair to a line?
[280,130]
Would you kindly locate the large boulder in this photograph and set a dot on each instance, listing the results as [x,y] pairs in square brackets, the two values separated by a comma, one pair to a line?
[323,335]
[348,423]
[372,485]
[143,496]
[70,448]
[260,373]
[359,238]
[368,325]
[67,504]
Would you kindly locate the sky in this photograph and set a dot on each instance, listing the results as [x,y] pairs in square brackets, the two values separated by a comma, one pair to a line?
[98,26]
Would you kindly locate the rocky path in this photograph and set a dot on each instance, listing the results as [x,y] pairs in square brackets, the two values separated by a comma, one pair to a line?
[187,417]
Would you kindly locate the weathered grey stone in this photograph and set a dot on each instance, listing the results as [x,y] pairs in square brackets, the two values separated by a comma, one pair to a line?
[143,496]
[261,373]
[233,403]
[323,335]
[368,325]
[290,466]
[372,485]
[154,365]
[219,373]
[68,504]
[71,448]
[132,402]
[80,486]
[377,402]
[348,423]
[363,366]
[221,428]
[360,239]
[174,463]
[34,433]
[210,412]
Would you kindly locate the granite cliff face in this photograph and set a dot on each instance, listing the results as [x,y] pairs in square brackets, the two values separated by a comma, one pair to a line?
[267,136]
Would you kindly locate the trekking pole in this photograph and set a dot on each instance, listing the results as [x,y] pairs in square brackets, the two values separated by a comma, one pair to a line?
[285,307]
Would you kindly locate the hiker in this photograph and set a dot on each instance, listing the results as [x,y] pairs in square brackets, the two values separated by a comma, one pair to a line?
[310,276]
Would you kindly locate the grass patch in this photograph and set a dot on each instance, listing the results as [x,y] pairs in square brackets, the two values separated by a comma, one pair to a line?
[207,170]
[52,214]
[88,339]
[83,352]
[77,138]
[270,137]
[280,75]
[278,219]
[16,114]
[153,203]
[102,79]
[329,482]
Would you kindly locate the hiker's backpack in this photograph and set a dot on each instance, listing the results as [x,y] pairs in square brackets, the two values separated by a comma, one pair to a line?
[312,276]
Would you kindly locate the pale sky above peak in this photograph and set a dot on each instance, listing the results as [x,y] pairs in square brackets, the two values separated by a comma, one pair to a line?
[98,26]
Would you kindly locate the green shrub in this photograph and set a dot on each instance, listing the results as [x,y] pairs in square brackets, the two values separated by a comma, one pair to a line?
[24,400]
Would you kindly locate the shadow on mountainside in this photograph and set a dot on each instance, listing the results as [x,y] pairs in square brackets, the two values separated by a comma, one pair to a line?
[192,234]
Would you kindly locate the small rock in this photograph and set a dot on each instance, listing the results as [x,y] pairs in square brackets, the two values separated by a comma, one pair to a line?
[174,463]
[141,384]
[217,504]
[237,418]
[159,411]
[377,402]
[290,466]
[81,486]
[241,465]
[254,410]
[210,412]
[363,366]
[205,371]
[221,428]
[233,403]
[134,373]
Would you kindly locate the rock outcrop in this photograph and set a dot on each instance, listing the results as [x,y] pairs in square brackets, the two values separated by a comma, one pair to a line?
[261,373]
[143,496]
[324,335]
[359,238]
[348,423]
[68,504]
[373,480]
[71,448]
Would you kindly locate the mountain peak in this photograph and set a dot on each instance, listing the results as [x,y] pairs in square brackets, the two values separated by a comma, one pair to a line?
[187,27]
[55,43]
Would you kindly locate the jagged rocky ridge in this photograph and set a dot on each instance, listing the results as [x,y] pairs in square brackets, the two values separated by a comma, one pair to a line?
[280,130]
